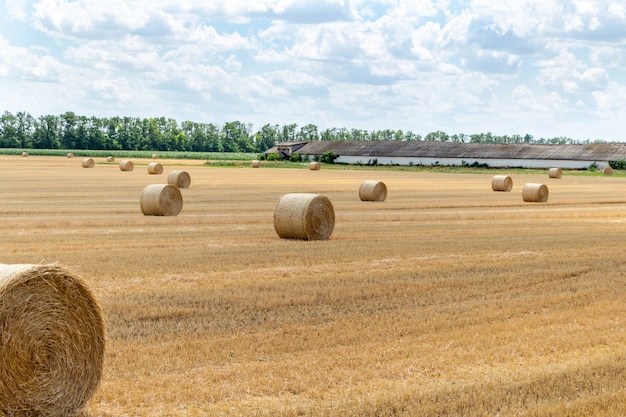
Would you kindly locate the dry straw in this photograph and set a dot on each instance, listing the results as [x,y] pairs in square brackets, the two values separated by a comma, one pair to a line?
[155,156]
[180,179]
[88,163]
[535,193]
[24,154]
[256,163]
[502,183]
[70,155]
[126,165]
[607,171]
[161,200]
[304,216]
[110,159]
[51,341]
[154,168]
[371,190]
[314,166]
[555,173]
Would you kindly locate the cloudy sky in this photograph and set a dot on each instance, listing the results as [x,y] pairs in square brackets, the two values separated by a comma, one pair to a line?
[544,67]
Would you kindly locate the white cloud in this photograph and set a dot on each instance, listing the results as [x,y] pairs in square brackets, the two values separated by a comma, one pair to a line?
[90,18]
[409,64]
[16,9]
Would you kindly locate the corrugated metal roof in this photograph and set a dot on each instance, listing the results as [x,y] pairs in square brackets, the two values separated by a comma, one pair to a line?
[583,152]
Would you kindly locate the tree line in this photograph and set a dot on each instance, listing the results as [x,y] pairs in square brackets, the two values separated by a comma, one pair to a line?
[71,131]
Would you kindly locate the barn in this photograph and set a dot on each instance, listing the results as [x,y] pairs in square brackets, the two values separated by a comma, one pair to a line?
[571,156]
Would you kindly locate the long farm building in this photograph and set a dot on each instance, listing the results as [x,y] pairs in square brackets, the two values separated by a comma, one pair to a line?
[572,156]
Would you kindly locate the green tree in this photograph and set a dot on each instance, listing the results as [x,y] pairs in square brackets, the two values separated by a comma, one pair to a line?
[288,133]
[68,130]
[47,133]
[266,137]
[9,131]
[95,135]
[437,136]
[308,133]
[236,137]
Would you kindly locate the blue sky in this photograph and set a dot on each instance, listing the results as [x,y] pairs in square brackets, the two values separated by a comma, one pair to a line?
[544,67]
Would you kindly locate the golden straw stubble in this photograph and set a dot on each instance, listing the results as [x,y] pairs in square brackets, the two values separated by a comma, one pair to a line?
[161,200]
[304,216]
[51,341]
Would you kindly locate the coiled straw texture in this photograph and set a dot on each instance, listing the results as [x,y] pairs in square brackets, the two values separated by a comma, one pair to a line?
[371,190]
[535,193]
[180,179]
[304,216]
[51,341]
[126,165]
[155,168]
[556,173]
[161,200]
[502,183]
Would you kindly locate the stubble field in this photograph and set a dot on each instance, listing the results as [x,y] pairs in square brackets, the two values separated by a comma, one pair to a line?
[447,299]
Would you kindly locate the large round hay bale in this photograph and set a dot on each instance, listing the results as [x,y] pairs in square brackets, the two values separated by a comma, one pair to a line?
[502,183]
[371,190]
[555,173]
[314,166]
[304,216]
[180,179]
[255,164]
[70,155]
[126,165]
[535,193]
[88,163]
[51,341]
[155,156]
[161,200]
[25,154]
[607,171]
[154,168]
[110,158]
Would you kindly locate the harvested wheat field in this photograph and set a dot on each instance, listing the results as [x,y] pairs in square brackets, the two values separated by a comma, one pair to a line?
[446,299]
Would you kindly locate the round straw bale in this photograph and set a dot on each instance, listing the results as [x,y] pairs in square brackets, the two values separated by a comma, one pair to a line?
[555,173]
[256,163]
[24,154]
[51,341]
[110,159]
[155,156]
[535,193]
[87,163]
[371,190]
[154,168]
[161,200]
[70,155]
[126,165]
[501,183]
[607,171]
[304,216]
[180,179]
[314,166]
